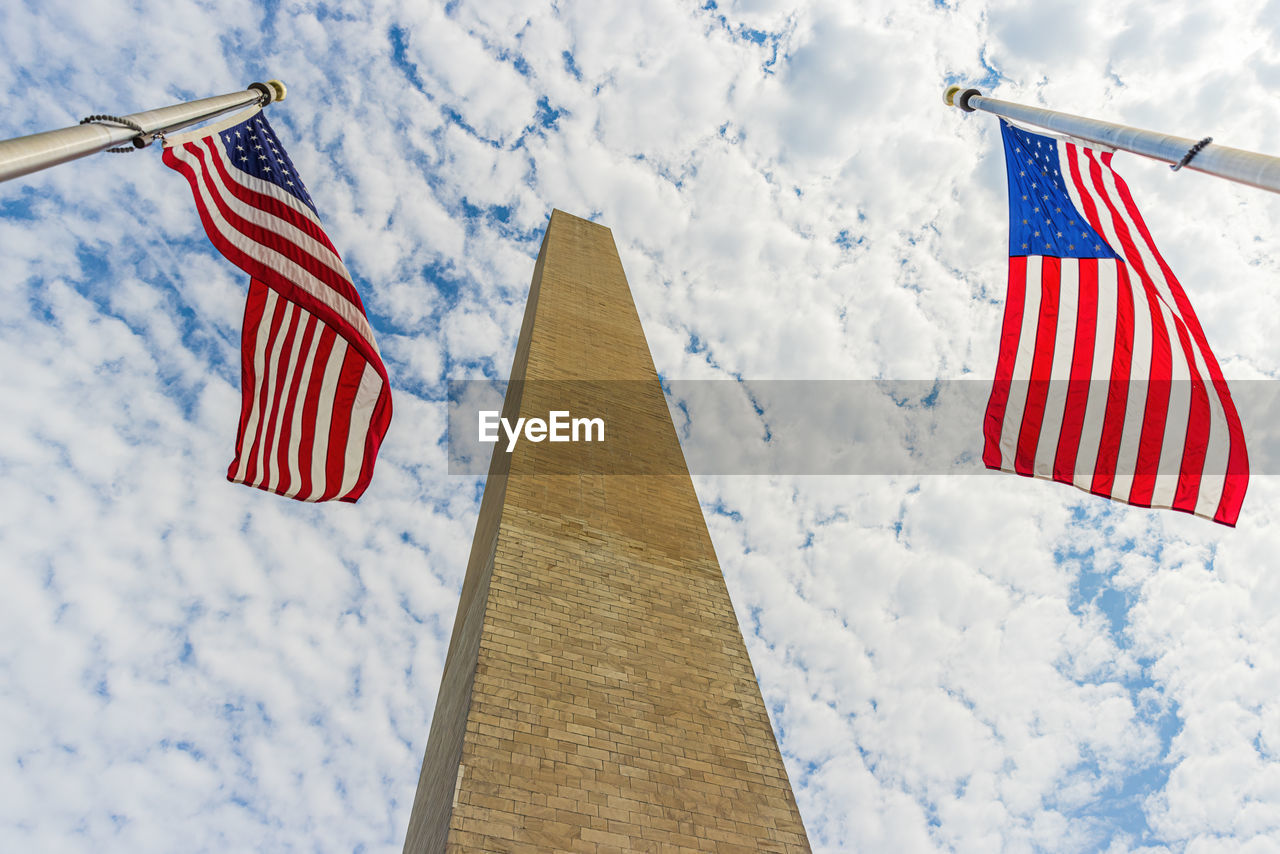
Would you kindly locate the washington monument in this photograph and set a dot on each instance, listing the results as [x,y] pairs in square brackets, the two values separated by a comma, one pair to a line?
[597,694]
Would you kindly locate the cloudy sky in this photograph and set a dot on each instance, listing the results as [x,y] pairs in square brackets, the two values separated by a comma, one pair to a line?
[952,663]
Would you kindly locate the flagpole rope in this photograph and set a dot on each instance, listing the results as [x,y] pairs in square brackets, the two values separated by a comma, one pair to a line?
[142,140]
[1191,152]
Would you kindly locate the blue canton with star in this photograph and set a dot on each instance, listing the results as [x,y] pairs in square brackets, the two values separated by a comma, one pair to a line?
[253,147]
[1042,218]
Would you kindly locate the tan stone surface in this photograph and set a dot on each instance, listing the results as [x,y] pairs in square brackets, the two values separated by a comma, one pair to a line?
[597,695]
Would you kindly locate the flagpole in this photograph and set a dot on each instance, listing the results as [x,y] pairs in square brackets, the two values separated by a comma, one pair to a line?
[1244,167]
[27,154]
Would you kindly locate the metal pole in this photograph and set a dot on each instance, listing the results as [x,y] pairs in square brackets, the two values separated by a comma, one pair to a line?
[28,154]
[1245,167]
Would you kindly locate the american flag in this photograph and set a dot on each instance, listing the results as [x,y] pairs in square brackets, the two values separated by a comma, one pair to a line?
[1104,379]
[315,398]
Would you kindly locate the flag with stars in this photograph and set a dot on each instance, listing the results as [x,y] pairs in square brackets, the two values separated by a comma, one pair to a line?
[1104,378]
[315,402]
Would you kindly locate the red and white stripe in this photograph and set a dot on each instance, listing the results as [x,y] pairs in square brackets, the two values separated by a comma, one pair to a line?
[315,398]
[1105,379]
